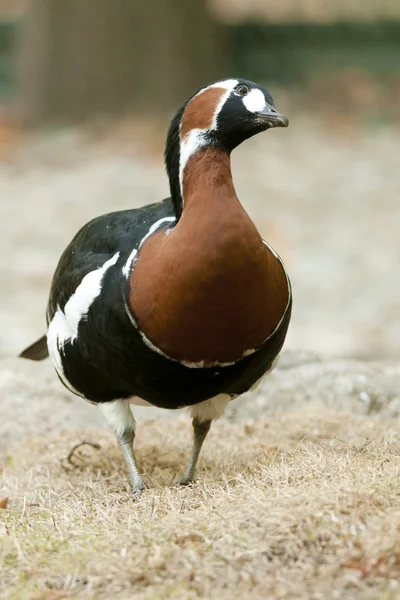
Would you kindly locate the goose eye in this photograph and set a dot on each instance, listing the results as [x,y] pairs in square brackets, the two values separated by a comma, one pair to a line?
[242,90]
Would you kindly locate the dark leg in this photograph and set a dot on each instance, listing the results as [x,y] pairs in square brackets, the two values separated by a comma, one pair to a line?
[120,417]
[200,428]
[125,442]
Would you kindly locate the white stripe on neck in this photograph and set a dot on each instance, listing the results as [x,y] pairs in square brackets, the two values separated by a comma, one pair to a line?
[196,138]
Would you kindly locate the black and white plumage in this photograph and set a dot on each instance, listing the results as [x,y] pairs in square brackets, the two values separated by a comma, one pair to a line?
[178,303]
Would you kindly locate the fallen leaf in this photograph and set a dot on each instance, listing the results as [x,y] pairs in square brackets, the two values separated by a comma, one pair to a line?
[55,594]
[372,567]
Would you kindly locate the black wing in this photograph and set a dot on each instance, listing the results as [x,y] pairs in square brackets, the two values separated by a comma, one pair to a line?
[97,242]
[93,245]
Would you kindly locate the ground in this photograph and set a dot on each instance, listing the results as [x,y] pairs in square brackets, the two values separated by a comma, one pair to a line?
[298,487]
[298,493]
[277,513]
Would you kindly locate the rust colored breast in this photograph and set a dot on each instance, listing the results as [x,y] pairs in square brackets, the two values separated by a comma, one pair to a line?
[210,289]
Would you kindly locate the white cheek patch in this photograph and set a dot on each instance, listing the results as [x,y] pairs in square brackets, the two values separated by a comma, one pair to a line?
[255,101]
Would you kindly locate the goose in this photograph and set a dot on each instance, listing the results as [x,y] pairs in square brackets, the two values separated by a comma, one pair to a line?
[180,303]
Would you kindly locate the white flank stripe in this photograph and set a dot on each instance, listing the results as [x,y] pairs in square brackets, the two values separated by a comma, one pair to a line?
[87,291]
[58,327]
[64,325]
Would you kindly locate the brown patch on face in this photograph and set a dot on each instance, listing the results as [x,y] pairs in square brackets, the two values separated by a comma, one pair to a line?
[200,111]
[210,289]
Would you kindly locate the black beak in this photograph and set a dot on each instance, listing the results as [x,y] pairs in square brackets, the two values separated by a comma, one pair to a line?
[273,117]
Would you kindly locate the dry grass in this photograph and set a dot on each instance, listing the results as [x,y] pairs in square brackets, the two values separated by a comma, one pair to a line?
[302,506]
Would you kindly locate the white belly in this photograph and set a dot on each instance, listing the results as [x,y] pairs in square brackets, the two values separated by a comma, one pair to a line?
[210,409]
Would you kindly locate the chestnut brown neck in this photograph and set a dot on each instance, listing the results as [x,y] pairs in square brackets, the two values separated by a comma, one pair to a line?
[206,181]
[209,290]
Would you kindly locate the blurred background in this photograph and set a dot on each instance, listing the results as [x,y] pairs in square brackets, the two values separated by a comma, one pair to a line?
[87,89]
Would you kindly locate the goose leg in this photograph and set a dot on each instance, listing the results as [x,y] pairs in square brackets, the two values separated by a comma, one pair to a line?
[122,422]
[200,429]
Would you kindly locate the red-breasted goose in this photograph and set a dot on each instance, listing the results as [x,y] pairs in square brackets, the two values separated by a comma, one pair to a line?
[179,303]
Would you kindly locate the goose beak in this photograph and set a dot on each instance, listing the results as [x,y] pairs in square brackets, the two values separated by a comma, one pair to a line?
[273,117]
